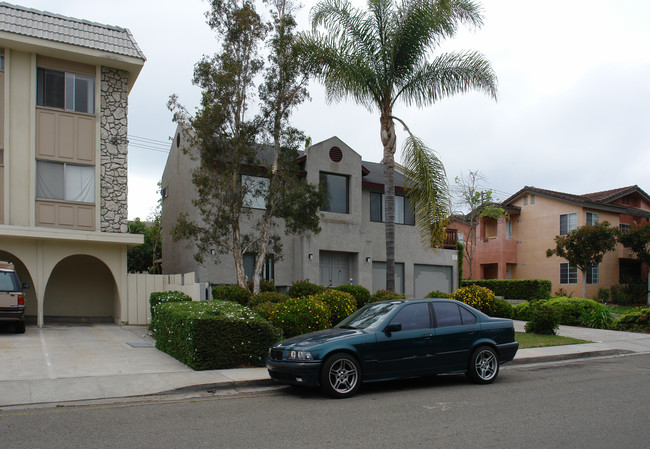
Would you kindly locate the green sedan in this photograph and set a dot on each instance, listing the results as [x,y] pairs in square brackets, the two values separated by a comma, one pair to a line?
[396,339]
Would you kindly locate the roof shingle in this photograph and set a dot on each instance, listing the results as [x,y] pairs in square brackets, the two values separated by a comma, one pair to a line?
[46,25]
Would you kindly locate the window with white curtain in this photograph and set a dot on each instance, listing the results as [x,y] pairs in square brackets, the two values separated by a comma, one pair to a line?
[66,182]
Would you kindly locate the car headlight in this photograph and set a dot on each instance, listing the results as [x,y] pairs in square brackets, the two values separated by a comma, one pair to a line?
[299,355]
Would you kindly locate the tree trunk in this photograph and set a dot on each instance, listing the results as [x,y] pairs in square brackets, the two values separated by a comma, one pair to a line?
[388,141]
[584,284]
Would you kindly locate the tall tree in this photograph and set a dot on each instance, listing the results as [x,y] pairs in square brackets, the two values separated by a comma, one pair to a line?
[479,204]
[381,55]
[234,185]
[637,239]
[585,247]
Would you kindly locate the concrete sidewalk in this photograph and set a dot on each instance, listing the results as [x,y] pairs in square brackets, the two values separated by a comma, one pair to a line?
[62,363]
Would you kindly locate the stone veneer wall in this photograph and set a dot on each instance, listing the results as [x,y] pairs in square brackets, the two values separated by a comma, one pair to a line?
[114,149]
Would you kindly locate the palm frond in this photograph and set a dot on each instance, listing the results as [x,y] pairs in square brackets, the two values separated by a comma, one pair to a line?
[449,74]
[428,192]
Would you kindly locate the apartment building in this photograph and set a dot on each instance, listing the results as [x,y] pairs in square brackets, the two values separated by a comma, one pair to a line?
[349,249]
[514,247]
[64,87]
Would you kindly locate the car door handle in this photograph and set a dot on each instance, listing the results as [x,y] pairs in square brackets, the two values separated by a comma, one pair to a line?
[427,335]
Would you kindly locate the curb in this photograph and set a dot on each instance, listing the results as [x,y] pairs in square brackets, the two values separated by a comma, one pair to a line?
[209,387]
[571,356]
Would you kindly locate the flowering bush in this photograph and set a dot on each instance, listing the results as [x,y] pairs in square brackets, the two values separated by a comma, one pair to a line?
[341,304]
[297,316]
[302,289]
[481,298]
[213,334]
[164,297]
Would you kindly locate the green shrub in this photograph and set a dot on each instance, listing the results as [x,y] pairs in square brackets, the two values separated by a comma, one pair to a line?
[570,309]
[561,292]
[214,334]
[361,294]
[265,309]
[617,295]
[635,320]
[544,319]
[599,317]
[272,297]
[340,304]
[522,311]
[302,289]
[164,297]
[234,293]
[297,316]
[528,289]
[385,295]
[635,291]
[502,308]
[481,298]
[603,295]
[437,294]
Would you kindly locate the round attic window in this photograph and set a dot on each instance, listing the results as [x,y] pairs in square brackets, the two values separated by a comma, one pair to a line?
[336,154]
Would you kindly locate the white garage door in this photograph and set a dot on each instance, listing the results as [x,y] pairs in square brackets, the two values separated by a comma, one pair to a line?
[428,278]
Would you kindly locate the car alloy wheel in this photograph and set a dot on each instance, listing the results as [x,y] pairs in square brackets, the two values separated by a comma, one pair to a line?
[484,365]
[340,377]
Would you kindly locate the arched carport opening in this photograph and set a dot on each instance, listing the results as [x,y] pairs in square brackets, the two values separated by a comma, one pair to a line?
[81,288]
[31,304]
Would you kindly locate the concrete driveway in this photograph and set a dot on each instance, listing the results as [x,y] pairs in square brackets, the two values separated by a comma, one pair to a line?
[68,350]
[68,362]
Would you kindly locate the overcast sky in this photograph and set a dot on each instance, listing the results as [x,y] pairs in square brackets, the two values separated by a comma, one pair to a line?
[572,113]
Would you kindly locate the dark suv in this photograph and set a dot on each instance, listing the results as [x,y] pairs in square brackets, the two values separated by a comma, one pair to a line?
[12,299]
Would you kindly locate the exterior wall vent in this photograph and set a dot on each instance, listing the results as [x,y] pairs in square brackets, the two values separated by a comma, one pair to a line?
[336,154]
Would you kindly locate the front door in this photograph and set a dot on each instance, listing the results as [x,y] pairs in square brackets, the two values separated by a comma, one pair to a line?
[334,269]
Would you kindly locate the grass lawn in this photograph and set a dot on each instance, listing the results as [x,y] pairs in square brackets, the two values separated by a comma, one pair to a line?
[537,341]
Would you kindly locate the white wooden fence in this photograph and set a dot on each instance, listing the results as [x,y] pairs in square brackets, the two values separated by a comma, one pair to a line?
[140,287]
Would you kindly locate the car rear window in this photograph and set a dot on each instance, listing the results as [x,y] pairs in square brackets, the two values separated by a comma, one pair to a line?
[9,282]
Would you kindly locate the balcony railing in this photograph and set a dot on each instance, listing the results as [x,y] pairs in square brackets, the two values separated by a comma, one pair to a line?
[451,239]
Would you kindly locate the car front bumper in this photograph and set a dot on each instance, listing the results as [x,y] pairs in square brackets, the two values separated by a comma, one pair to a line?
[294,373]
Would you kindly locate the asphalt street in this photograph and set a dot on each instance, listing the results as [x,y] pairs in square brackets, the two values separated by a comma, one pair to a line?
[595,403]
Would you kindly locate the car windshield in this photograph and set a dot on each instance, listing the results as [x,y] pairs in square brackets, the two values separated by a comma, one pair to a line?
[368,317]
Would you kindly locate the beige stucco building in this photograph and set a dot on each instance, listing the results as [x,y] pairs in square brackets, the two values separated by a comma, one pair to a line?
[64,86]
[351,246]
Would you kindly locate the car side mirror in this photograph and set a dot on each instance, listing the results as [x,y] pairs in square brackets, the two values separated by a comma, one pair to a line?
[393,327]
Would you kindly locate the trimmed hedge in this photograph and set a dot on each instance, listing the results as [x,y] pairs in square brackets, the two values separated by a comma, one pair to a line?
[164,297]
[528,289]
[231,293]
[360,293]
[209,335]
[544,319]
[571,309]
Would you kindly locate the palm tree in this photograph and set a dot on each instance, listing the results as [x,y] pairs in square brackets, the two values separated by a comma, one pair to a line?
[381,55]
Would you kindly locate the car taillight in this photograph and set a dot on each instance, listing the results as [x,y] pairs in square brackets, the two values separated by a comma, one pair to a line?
[21,300]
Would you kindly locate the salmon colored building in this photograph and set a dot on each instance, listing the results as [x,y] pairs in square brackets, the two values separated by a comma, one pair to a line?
[514,246]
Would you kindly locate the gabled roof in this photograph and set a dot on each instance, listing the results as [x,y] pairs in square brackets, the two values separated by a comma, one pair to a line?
[57,28]
[597,200]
